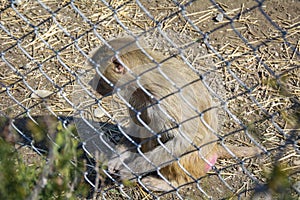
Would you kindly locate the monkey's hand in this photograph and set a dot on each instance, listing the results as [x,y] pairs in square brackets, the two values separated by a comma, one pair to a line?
[118,164]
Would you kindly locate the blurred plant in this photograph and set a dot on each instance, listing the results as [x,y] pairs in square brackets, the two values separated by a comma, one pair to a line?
[59,176]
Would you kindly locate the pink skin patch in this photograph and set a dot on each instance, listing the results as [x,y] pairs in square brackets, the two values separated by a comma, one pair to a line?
[212,161]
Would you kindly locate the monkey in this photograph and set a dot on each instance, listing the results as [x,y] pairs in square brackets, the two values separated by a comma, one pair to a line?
[172,136]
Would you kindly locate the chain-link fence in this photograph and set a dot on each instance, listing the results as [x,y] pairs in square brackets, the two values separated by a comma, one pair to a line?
[170,99]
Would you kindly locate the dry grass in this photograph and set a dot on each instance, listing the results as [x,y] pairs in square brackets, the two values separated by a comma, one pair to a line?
[50,57]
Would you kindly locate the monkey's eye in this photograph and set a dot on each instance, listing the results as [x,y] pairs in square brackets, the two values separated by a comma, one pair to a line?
[118,67]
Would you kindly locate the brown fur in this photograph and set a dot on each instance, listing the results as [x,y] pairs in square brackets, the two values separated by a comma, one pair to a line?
[202,146]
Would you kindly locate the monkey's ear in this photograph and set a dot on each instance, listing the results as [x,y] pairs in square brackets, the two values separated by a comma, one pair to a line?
[118,67]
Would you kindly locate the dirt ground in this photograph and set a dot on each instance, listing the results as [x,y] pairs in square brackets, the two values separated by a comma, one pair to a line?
[253,49]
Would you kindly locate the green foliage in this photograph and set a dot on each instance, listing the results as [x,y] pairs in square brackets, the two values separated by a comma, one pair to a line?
[66,177]
[278,184]
[60,176]
[278,181]
[16,178]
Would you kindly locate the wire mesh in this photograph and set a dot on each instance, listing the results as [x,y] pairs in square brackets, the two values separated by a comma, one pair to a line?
[211,76]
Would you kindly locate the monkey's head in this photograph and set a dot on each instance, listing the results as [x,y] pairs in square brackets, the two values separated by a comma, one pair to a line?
[113,61]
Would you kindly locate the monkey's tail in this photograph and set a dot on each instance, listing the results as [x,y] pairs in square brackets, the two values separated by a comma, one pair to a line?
[241,152]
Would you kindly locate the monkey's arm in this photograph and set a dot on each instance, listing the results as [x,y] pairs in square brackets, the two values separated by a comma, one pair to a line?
[143,163]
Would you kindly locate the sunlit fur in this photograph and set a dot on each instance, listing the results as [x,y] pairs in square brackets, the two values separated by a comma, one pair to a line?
[190,159]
